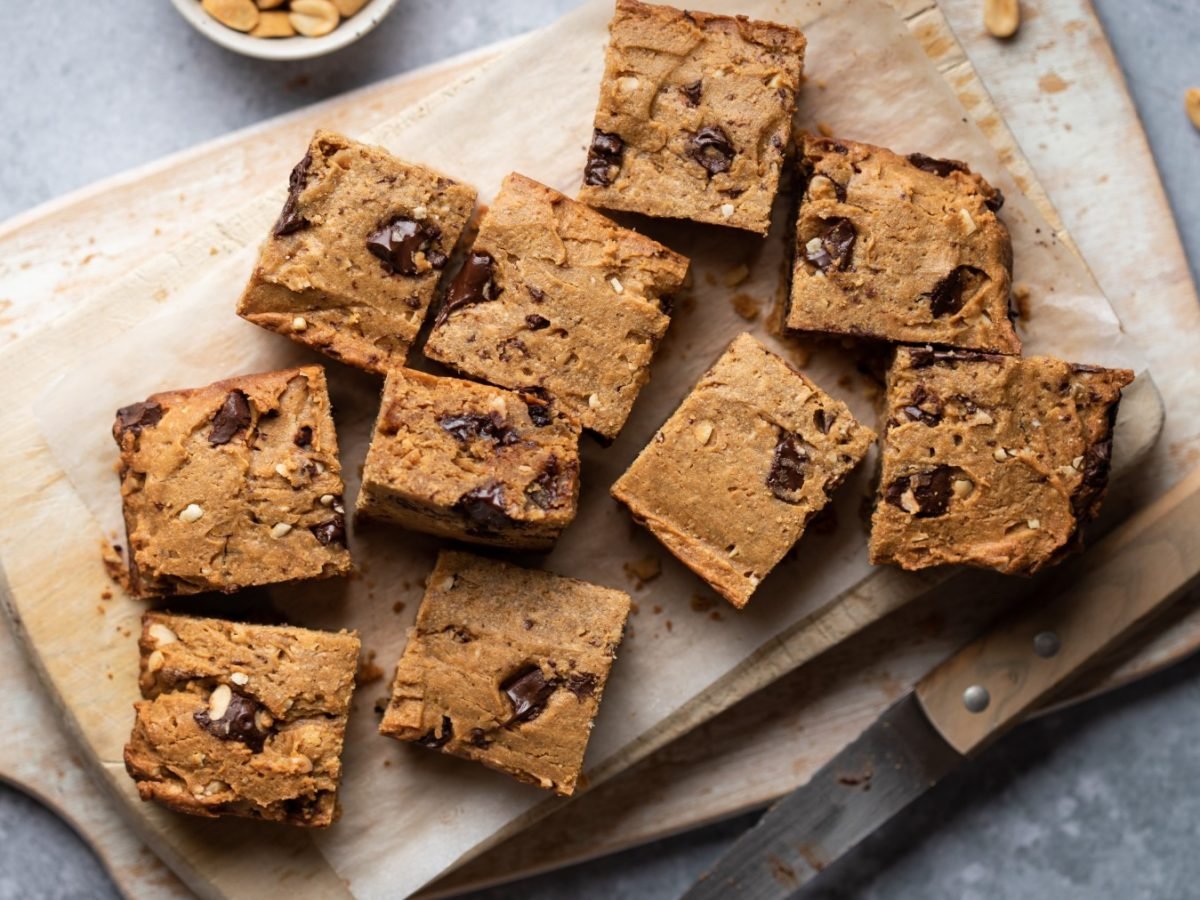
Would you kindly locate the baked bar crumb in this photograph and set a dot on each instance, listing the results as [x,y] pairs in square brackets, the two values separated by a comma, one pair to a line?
[694,117]
[470,461]
[557,297]
[352,262]
[991,461]
[232,485]
[506,666]
[732,479]
[907,249]
[241,720]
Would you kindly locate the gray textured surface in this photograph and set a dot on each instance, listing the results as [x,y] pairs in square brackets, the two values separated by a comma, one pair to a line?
[1092,803]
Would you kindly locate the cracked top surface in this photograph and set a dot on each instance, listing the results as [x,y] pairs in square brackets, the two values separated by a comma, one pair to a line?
[694,116]
[905,249]
[244,720]
[352,263]
[731,480]
[561,298]
[232,485]
[471,461]
[990,460]
[506,666]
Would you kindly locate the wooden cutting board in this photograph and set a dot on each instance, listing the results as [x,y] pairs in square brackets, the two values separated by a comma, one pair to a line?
[927,25]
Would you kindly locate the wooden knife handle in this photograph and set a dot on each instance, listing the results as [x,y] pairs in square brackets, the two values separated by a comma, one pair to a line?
[1102,595]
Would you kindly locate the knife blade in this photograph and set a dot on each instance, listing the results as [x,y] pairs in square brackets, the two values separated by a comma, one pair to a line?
[968,701]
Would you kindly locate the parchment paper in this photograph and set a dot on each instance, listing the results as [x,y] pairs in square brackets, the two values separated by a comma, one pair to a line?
[408,813]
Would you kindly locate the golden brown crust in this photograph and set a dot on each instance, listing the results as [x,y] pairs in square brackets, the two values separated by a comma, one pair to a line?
[506,666]
[731,480]
[905,249]
[701,107]
[232,485]
[325,276]
[990,460]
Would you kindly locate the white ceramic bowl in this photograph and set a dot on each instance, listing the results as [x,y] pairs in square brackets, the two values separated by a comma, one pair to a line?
[298,47]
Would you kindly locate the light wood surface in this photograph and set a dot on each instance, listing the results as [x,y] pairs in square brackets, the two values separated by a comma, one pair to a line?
[1132,574]
[41,249]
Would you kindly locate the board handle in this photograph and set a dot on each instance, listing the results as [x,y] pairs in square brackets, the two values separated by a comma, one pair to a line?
[1138,569]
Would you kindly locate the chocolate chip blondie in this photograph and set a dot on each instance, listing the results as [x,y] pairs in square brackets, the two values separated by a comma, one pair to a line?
[694,117]
[990,460]
[506,666]
[471,461]
[232,485]
[555,296]
[732,479]
[352,262]
[899,248]
[241,720]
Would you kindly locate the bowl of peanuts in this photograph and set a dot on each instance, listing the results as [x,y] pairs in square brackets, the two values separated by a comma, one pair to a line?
[283,29]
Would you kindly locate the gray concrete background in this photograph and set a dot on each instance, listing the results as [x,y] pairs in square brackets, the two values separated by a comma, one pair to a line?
[1096,802]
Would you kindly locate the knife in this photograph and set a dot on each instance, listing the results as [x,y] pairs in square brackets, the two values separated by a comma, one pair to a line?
[968,701]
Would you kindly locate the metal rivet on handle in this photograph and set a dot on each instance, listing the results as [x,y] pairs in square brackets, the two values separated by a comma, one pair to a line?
[1046,644]
[976,698]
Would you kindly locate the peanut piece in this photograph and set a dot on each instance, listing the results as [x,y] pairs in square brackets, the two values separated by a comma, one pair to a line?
[277,25]
[1191,102]
[240,15]
[1001,18]
[349,7]
[314,18]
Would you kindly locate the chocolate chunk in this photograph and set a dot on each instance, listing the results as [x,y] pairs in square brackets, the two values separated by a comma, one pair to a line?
[822,421]
[924,357]
[994,200]
[930,492]
[711,147]
[666,303]
[484,510]
[332,531]
[604,159]
[290,220]
[479,738]
[942,167]
[835,246]
[829,145]
[537,294]
[398,242]
[303,437]
[475,426]
[239,722]
[232,417]
[692,92]
[510,347]
[433,740]
[582,684]
[474,283]
[137,416]
[949,294]
[537,323]
[538,401]
[550,485]
[528,690]
[788,467]
[924,407]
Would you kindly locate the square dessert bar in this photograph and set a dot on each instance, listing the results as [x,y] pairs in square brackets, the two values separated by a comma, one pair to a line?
[991,461]
[241,720]
[351,265]
[900,248]
[232,485]
[731,480]
[556,296]
[506,666]
[694,117]
[471,461]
